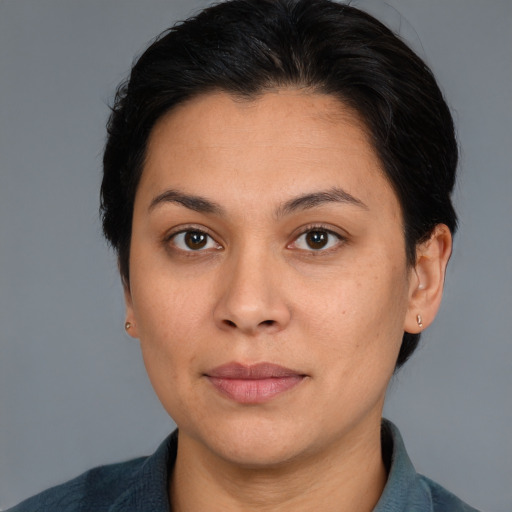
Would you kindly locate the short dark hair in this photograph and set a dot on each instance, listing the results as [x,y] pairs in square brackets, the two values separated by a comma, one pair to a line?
[247,47]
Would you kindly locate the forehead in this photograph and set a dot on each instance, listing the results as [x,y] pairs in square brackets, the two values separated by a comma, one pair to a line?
[219,119]
[282,142]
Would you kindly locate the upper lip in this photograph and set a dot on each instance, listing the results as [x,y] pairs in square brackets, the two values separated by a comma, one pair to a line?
[251,372]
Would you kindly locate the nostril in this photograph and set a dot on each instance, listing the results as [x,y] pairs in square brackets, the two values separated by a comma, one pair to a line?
[264,324]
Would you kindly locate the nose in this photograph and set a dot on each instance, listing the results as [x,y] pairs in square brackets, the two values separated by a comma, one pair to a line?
[252,299]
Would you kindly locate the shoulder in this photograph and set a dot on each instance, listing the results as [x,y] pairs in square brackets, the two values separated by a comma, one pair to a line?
[443,500]
[138,485]
[95,490]
[406,490]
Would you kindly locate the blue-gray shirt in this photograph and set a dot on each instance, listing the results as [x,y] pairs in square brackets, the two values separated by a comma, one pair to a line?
[141,485]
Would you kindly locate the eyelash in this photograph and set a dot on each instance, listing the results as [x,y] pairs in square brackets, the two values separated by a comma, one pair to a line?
[339,239]
[171,239]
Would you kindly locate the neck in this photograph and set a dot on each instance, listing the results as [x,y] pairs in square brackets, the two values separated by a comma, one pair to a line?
[349,476]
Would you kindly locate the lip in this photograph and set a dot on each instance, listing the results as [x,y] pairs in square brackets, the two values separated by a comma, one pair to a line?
[253,384]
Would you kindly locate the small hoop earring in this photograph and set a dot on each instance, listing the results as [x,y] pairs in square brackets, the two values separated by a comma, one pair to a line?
[127,326]
[419,321]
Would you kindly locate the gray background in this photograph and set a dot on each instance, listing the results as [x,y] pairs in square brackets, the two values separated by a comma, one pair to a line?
[73,390]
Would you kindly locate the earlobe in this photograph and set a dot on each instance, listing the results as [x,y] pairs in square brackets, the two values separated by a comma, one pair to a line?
[427,279]
[130,325]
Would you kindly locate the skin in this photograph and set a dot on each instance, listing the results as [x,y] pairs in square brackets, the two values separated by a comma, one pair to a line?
[257,292]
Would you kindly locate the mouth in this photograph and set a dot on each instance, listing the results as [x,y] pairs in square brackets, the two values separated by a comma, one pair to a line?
[253,384]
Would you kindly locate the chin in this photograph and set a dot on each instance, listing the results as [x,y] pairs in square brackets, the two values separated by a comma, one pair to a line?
[260,453]
[257,443]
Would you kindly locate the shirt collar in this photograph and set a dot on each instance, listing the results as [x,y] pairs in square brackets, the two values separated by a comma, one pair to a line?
[404,490]
[150,489]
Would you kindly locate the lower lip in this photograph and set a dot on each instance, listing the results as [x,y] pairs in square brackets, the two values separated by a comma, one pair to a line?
[255,391]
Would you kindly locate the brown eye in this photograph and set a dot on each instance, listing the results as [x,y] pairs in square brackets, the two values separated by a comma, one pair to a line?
[195,240]
[317,239]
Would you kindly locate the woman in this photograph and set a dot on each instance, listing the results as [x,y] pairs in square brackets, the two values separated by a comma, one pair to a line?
[277,181]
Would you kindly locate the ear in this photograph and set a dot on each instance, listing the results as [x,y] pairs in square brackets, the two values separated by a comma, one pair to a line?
[427,279]
[130,323]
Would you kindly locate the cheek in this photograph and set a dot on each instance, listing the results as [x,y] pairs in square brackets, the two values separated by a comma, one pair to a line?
[169,349]
[356,317]
[166,300]
[170,321]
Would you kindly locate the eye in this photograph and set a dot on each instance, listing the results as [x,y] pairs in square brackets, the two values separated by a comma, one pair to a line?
[194,240]
[317,239]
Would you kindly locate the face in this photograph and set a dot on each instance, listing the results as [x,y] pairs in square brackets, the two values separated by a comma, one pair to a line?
[268,278]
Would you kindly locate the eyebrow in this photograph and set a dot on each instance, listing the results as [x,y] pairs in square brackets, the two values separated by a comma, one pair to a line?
[192,202]
[307,201]
[303,202]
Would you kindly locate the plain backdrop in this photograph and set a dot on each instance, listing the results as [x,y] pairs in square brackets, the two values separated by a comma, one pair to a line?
[73,390]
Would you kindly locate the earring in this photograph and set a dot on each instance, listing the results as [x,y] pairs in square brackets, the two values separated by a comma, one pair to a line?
[419,320]
[127,326]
